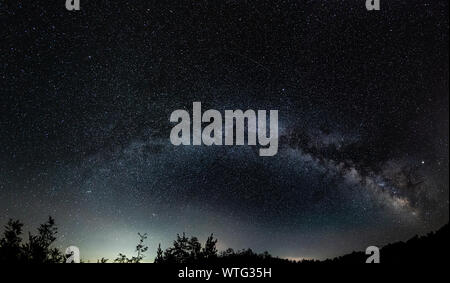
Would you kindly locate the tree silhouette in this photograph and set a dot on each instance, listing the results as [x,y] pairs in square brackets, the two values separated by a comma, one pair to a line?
[187,250]
[184,250]
[159,255]
[121,258]
[36,250]
[10,244]
[210,251]
[102,260]
[180,251]
[38,247]
[140,251]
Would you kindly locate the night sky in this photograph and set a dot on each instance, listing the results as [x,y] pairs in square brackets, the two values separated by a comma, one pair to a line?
[363,106]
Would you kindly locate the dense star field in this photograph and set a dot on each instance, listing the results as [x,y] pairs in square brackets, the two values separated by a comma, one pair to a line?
[363,106]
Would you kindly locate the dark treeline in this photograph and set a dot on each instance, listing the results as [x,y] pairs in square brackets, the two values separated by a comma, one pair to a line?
[432,247]
[189,250]
[36,250]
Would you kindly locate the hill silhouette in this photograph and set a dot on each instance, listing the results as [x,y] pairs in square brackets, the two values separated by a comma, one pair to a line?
[430,248]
